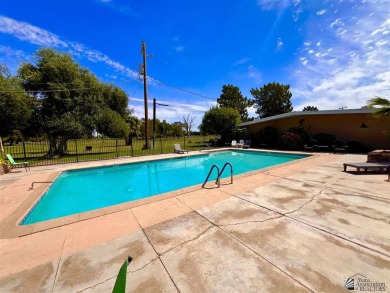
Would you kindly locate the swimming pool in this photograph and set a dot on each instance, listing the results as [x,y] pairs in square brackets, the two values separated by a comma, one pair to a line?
[78,191]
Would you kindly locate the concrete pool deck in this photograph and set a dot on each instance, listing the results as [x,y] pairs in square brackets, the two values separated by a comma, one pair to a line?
[303,226]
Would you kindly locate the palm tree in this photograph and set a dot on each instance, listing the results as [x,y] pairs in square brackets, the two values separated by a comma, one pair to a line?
[382,105]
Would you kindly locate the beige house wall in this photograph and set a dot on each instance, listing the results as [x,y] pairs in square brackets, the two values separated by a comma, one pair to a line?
[346,127]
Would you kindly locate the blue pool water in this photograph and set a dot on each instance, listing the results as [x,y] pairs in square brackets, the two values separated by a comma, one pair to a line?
[84,190]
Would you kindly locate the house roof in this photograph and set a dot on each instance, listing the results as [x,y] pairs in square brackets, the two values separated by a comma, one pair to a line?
[308,113]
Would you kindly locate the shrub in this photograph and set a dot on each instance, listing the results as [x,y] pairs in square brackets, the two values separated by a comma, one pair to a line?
[291,140]
[301,132]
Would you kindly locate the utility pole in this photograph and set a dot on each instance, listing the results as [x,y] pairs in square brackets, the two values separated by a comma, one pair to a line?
[154,119]
[145,97]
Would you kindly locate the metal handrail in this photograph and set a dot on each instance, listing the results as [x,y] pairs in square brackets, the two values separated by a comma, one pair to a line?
[32,184]
[211,169]
[231,171]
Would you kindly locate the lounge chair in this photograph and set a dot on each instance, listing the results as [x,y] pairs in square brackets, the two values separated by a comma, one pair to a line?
[234,143]
[241,143]
[13,163]
[247,144]
[339,146]
[178,149]
[311,145]
[381,166]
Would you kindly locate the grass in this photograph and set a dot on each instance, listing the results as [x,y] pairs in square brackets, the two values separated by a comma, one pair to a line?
[36,152]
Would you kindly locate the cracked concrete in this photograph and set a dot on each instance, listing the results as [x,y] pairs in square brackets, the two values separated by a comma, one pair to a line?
[302,227]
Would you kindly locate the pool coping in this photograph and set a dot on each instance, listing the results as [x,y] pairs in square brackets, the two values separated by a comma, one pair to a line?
[10,228]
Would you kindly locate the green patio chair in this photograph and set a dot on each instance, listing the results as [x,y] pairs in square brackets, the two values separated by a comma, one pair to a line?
[13,163]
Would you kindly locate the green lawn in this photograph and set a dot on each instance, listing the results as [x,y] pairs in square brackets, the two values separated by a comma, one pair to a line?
[99,149]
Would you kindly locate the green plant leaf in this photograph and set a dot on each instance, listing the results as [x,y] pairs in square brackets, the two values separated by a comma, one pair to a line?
[120,283]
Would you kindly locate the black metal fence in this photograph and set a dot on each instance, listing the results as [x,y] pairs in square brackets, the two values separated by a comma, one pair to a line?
[38,153]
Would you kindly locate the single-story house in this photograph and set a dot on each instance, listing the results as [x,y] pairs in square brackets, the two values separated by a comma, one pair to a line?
[348,125]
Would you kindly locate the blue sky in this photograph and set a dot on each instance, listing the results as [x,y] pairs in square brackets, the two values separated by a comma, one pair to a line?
[332,53]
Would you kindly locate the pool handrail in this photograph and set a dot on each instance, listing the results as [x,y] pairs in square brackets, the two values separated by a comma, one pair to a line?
[231,172]
[207,178]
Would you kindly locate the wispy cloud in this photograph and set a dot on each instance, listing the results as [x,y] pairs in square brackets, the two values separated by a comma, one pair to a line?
[175,111]
[12,58]
[321,12]
[354,69]
[38,36]
[26,32]
[295,5]
[241,61]
[273,4]
[279,44]
[120,8]
[254,74]
[179,48]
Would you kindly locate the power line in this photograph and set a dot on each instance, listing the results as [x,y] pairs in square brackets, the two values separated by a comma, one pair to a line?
[187,91]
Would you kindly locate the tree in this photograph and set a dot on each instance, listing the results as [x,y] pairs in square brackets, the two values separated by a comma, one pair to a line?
[177,129]
[272,99]
[220,120]
[310,108]
[135,125]
[72,101]
[382,105]
[111,124]
[14,103]
[164,128]
[231,97]
[188,123]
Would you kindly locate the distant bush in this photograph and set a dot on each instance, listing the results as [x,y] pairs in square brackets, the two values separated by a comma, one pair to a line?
[301,132]
[291,140]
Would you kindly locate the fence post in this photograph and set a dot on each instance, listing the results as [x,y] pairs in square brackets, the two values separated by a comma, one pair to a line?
[24,151]
[116,148]
[161,144]
[77,153]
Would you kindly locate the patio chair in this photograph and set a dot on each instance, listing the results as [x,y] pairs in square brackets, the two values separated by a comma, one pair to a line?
[311,145]
[247,144]
[13,163]
[234,143]
[178,149]
[339,146]
[241,143]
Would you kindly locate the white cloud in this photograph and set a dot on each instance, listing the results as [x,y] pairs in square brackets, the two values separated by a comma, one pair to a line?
[120,8]
[174,112]
[179,48]
[254,74]
[38,36]
[336,23]
[279,43]
[26,32]
[242,61]
[321,12]
[12,58]
[354,69]
[272,4]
